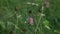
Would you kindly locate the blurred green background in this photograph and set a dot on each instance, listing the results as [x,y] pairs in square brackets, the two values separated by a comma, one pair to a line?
[13,15]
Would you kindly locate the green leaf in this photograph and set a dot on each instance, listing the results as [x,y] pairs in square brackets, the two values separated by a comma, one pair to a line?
[2,24]
[46,22]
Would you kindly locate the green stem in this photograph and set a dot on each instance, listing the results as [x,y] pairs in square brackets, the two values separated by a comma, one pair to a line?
[37,27]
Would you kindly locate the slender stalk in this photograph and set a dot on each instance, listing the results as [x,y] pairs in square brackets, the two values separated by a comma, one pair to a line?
[37,27]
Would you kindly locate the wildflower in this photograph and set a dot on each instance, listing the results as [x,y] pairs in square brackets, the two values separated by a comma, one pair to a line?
[47,4]
[30,20]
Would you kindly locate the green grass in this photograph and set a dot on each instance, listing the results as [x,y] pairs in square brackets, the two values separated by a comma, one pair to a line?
[10,19]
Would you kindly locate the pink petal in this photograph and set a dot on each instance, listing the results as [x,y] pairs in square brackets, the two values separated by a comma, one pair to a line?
[47,3]
[30,20]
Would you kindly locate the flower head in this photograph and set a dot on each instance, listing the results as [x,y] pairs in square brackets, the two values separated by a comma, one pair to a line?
[47,4]
[30,20]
